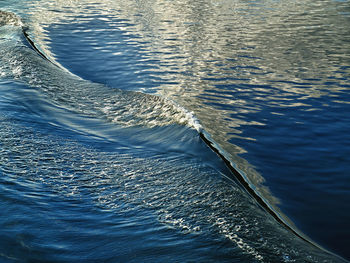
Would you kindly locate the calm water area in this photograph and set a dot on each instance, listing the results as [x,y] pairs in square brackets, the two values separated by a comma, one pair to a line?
[121,123]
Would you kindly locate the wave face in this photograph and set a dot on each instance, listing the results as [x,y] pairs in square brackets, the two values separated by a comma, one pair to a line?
[99,162]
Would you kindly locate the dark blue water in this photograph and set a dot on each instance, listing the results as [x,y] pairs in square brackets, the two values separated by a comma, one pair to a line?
[101,157]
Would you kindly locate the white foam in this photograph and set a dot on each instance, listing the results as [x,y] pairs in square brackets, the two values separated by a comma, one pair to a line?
[8,18]
[188,117]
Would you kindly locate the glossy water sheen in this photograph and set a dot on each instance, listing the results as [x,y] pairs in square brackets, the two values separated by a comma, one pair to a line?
[100,157]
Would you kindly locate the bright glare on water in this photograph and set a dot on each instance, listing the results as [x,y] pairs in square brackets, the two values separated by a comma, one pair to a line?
[101,109]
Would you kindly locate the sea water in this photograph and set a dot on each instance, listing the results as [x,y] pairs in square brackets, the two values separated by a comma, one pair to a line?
[174,131]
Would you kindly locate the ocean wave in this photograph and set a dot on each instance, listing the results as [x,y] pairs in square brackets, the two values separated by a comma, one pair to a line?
[23,62]
[125,108]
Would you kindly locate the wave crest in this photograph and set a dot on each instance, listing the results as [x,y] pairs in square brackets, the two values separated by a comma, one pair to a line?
[8,18]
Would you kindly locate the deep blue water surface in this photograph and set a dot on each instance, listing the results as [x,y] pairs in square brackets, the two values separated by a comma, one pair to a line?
[101,110]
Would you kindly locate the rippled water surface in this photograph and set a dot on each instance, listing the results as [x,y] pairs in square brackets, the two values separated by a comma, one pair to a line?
[101,109]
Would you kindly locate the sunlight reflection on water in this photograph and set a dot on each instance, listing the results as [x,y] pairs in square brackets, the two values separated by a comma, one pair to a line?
[268,80]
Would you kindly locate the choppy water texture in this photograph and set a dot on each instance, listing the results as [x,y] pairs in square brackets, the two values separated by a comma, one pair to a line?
[101,110]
